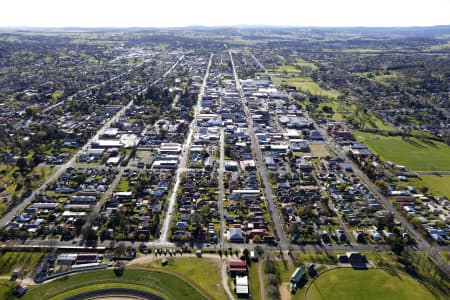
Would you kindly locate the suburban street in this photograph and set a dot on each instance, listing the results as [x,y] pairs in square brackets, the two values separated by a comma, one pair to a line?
[62,168]
[183,160]
[422,244]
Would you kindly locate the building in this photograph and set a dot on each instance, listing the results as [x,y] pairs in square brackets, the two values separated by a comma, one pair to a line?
[236,235]
[236,267]
[241,286]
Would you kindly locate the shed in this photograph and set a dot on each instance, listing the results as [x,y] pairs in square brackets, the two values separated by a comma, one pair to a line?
[298,275]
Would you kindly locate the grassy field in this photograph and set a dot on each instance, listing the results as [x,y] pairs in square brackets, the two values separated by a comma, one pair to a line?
[440,47]
[6,287]
[11,260]
[319,258]
[319,150]
[12,179]
[366,284]
[413,153]
[302,63]
[307,85]
[205,272]
[166,285]
[437,185]
[124,185]
[340,109]
[298,67]
[254,286]
[105,286]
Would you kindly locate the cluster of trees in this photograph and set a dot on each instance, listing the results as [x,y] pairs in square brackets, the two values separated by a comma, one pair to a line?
[273,278]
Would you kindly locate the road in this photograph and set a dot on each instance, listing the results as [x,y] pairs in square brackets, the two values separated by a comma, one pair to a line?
[221,186]
[261,167]
[95,86]
[183,160]
[112,187]
[422,244]
[61,169]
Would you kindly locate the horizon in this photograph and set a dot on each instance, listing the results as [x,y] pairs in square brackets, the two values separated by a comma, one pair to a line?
[233,13]
[238,26]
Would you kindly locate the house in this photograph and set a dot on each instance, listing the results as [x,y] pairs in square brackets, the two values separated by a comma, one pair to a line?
[20,290]
[352,258]
[241,286]
[237,267]
[236,235]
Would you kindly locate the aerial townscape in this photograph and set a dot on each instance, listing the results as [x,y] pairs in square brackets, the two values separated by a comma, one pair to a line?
[234,162]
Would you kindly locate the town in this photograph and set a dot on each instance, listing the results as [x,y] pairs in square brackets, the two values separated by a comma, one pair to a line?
[260,157]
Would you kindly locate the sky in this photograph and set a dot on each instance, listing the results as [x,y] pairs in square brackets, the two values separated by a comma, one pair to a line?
[177,13]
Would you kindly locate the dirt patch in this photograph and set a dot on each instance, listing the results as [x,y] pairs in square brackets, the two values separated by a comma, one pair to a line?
[319,150]
[284,291]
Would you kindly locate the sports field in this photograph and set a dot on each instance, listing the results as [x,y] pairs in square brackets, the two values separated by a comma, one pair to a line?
[159,283]
[376,284]
[413,153]
[205,272]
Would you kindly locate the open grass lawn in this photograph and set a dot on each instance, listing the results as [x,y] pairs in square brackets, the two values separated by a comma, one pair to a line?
[105,286]
[253,278]
[163,284]
[307,85]
[296,68]
[439,47]
[6,287]
[366,284]
[11,260]
[319,150]
[413,153]
[340,109]
[373,122]
[319,258]
[205,272]
[10,177]
[124,185]
[302,63]
[437,185]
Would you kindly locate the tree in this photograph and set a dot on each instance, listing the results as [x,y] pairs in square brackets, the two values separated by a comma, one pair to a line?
[257,239]
[22,164]
[397,245]
[196,219]
[89,235]
[120,250]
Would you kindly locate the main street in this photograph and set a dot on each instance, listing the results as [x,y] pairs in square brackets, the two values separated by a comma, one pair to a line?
[61,169]
[183,160]
[260,165]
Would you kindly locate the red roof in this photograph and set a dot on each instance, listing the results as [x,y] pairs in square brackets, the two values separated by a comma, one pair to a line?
[237,264]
